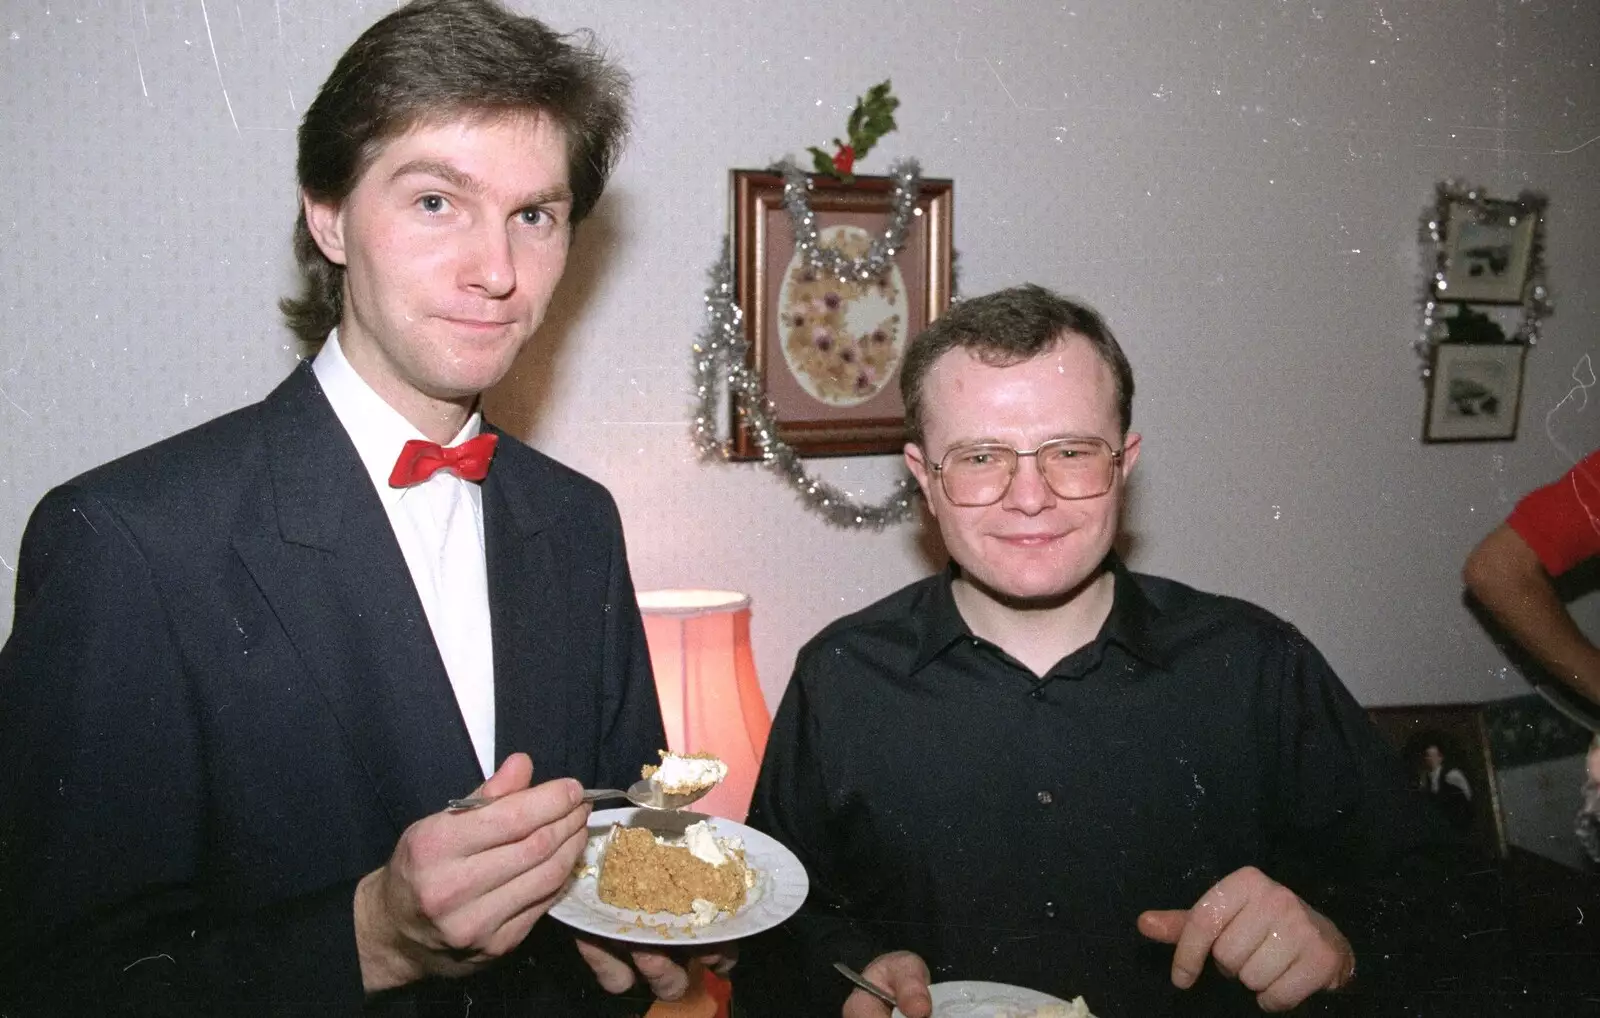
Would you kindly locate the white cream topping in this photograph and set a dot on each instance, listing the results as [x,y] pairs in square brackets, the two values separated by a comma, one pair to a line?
[705,912]
[702,844]
[688,773]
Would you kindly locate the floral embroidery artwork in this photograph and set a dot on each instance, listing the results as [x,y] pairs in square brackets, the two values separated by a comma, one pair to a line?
[842,340]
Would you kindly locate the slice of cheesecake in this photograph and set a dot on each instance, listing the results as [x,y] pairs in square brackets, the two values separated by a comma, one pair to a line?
[698,874]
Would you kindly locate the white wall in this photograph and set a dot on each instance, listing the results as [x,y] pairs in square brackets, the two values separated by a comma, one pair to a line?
[1236,184]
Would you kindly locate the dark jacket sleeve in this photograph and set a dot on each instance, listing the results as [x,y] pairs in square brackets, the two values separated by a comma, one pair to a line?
[102,806]
[789,970]
[631,714]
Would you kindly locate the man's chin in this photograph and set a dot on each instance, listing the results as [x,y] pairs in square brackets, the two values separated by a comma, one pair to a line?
[1041,595]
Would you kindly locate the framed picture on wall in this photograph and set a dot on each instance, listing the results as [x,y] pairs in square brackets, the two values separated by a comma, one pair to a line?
[1474,392]
[1446,752]
[828,352]
[1488,247]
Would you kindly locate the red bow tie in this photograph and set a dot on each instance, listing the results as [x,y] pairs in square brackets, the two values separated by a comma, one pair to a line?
[420,460]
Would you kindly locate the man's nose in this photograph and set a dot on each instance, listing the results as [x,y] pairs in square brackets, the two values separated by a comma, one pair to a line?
[1029,493]
[487,265]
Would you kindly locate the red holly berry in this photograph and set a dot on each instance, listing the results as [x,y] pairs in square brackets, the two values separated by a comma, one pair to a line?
[844,160]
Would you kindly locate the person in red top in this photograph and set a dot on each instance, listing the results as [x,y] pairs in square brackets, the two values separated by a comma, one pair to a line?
[1511,572]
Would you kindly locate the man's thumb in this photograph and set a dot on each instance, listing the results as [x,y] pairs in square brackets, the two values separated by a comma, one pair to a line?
[913,999]
[908,981]
[1165,925]
[513,776]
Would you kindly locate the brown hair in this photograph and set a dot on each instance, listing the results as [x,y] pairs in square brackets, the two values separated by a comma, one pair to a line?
[438,59]
[1008,327]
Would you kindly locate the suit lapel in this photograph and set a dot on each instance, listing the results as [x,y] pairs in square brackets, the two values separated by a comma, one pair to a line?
[529,583]
[333,574]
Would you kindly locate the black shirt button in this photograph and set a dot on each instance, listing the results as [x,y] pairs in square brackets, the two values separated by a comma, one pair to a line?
[1045,798]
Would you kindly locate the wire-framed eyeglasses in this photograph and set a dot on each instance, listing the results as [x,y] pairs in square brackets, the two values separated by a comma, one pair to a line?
[1073,468]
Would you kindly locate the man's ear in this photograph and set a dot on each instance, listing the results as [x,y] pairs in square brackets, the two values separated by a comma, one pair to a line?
[917,463]
[325,220]
[1130,452]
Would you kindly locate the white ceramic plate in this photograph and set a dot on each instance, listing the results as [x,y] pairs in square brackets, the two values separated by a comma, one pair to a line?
[967,998]
[779,891]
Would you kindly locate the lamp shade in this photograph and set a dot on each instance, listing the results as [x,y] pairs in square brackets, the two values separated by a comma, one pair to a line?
[706,680]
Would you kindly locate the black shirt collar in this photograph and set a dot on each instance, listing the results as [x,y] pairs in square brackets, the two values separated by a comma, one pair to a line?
[1133,623]
[938,620]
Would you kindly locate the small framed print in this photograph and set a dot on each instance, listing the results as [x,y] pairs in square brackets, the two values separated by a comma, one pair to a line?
[828,352]
[1488,247]
[1474,392]
[1447,755]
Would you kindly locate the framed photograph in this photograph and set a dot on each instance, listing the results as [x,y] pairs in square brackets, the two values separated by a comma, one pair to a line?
[1474,392]
[828,353]
[1445,748]
[1487,251]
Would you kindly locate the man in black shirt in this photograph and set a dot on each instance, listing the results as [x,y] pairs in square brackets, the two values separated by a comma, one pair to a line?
[1039,768]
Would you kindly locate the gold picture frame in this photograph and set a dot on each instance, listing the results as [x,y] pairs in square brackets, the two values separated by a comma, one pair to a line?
[828,354]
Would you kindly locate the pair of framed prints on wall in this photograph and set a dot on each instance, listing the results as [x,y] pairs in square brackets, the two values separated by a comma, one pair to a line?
[1487,256]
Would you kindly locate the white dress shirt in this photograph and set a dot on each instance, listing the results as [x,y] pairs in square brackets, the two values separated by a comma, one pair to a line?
[439,524]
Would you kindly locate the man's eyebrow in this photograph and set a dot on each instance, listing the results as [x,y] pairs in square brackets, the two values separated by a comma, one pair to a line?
[441,169]
[470,184]
[549,196]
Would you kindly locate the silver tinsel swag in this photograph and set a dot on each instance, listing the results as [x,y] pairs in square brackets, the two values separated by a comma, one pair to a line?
[720,363]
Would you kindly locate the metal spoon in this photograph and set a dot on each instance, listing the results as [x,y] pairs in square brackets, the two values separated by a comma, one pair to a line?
[865,983]
[642,793]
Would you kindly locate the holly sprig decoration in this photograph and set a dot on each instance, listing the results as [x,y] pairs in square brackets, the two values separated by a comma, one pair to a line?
[872,118]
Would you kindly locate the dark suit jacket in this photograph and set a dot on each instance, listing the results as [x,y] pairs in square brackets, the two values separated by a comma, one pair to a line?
[221,704]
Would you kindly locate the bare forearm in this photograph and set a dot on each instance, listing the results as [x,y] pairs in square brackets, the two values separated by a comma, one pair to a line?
[1507,578]
[1539,622]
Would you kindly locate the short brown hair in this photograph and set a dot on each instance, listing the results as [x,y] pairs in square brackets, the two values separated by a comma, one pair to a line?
[1008,327]
[436,59]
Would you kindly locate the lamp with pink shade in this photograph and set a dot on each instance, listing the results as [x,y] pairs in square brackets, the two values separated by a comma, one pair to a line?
[706,680]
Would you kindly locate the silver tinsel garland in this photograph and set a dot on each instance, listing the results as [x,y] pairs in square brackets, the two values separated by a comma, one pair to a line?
[1536,296]
[880,255]
[720,361]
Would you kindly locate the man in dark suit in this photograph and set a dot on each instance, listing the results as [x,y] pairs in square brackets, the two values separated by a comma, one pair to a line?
[251,664]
